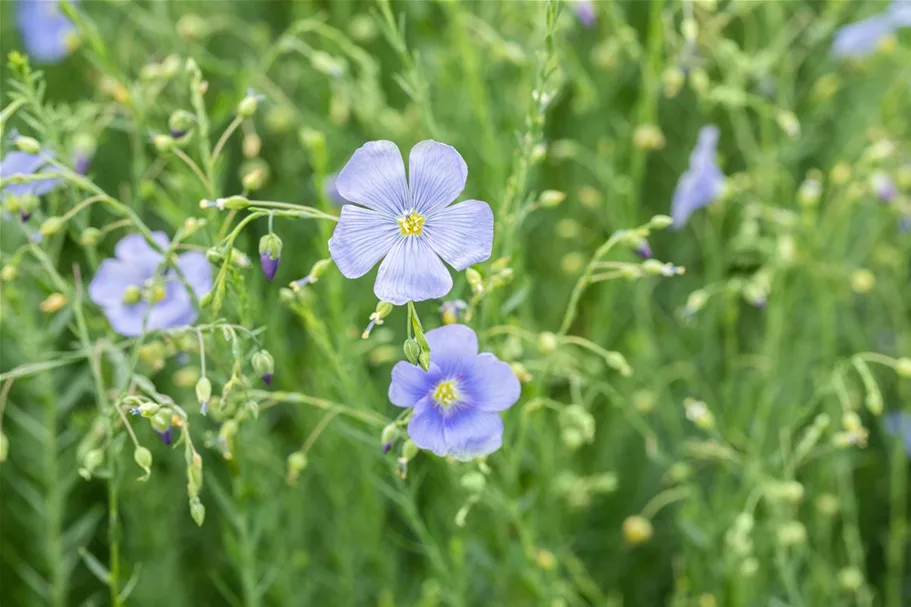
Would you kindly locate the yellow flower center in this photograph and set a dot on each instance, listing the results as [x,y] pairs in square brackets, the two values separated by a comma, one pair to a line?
[153,292]
[446,393]
[411,224]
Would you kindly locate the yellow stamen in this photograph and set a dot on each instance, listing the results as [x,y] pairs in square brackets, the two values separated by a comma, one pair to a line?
[446,393]
[411,224]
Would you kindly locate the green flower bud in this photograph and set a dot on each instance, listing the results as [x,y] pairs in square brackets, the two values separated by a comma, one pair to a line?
[572,438]
[617,362]
[851,579]
[270,245]
[51,226]
[8,272]
[319,268]
[791,533]
[313,140]
[28,145]
[143,459]
[148,409]
[90,237]
[475,280]
[247,106]
[93,458]
[409,450]
[551,198]
[197,511]
[637,530]
[903,367]
[389,435]
[4,447]
[161,421]
[163,143]
[264,365]
[473,482]
[412,351]
[254,180]
[203,392]
[547,342]
[180,123]
[234,202]
[383,309]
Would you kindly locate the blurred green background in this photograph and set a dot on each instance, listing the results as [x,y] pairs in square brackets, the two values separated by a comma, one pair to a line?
[788,493]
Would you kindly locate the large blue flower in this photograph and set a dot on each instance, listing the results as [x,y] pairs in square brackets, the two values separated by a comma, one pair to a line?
[457,402]
[21,163]
[862,38]
[46,32]
[411,226]
[126,286]
[702,183]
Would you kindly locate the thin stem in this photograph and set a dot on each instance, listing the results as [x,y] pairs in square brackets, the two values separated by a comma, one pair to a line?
[195,168]
[216,152]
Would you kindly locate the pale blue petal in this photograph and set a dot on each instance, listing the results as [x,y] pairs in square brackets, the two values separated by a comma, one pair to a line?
[197,270]
[126,320]
[134,248]
[375,178]
[111,280]
[492,385]
[426,427]
[436,174]
[175,310]
[461,234]
[361,238]
[472,433]
[411,272]
[452,347]
[900,13]
[861,38]
[410,383]
[20,163]
[45,30]
[702,183]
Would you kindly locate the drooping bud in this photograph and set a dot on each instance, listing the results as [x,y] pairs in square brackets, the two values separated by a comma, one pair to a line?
[143,459]
[388,437]
[180,123]
[473,482]
[642,249]
[296,464]
[28,145]
[412,351]
[424,360]
[409,450]
[247,106]
[53,303]
[883,187]
[659,222]
[197,511]
[637,530]
[90,461]
[203,393]
[264,365]
[84,146]
[547,342]
[903,367]
[270,250]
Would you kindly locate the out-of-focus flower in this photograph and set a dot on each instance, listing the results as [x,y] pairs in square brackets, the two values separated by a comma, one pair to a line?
[331,192]
[128,290]
[47,34]
[455,311]
[21,163]
[457,401]
[862,38]
[898,423]
[883,187]
[702,183]
[411,225]
[585,12]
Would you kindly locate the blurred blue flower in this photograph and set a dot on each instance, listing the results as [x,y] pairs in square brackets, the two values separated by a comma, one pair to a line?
[585,12]
[862,38]
[702,183]
[898,423]
[457,402]
[330,191]
[46,32]
[883,187]
[125,286]
[455,311]
[21,163]
[411,226]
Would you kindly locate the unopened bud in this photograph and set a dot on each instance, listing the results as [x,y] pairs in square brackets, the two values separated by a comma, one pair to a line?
[203,393]
[297,463]
[388,436]
[409,450]
[412,351]
[903,367]
[547,342]
[28,145]
[161,421]
[264,365]
[53,303]
[143,459]
[163,143]
[270,250]
[473,482]
[862,281]
[637,530]
[424,360]
[90,237]
[51,226]
[851,579]
[8,272]
[247,106]
[551,198]
[475,281]
[197,511]
[254,180]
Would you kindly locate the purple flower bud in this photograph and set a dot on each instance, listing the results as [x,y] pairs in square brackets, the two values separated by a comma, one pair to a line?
[585,12]
[643,250]
[81,164]
[387,447]
[167,437]
[267,379]
[269,265]
[25,215]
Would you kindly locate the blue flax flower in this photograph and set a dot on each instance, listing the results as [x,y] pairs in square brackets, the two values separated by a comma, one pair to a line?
[127,289]
[21,163]
[898,423]
[702,183]
[862,38]
[410,226]
[457,402]
[47,33]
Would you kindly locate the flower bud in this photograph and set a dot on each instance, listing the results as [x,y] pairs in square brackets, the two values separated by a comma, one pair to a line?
[547,342]
[252,144]
[270,250]
[409,450]
[180,123]
[788,123]
[84,146]
[862,281]
[551,198]
[648,137]
[148,409]
[92,459]
[319,268]
[851,579]
[473,482]
[247,106]
[424,360]
[203,393]
[297,463]
[90,237]
[51,226]
[521,372]
[791,533]
[389,435]
[4,447]
[454,311]
[27,205]
[197,511]
[617,362]
[827,505]
[264,365]
[8,272]
[53,303]
[28,145]
[637,530]
[163,143]
[254,180]
[903,367]
[143,459]
[475,281]
[161,421]
[412,351]
[810,191]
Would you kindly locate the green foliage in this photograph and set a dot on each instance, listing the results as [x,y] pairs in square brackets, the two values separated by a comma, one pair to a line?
[708,429]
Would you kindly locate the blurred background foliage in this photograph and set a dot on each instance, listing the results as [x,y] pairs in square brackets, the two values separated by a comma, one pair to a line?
[743,462]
